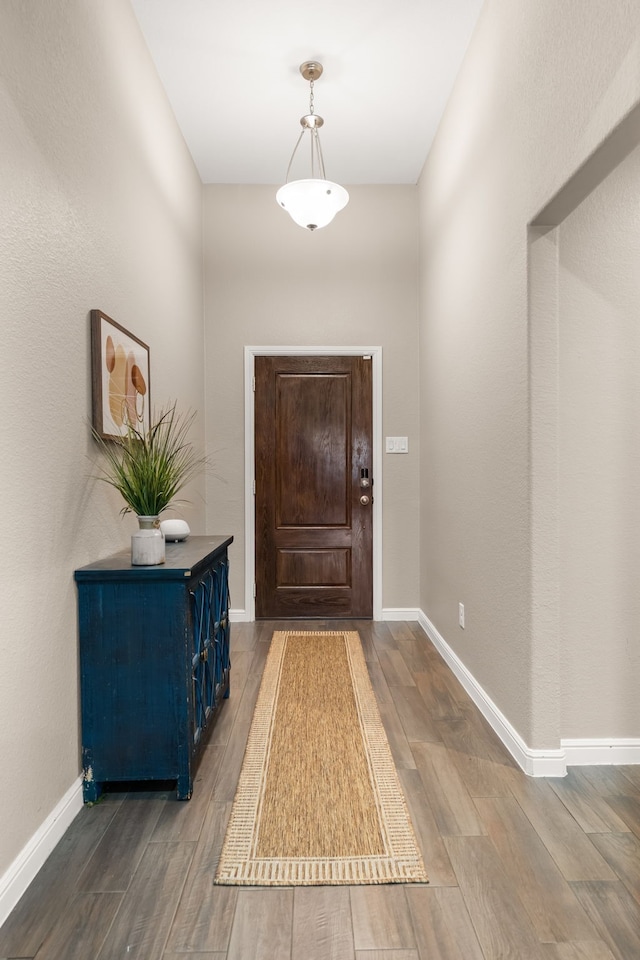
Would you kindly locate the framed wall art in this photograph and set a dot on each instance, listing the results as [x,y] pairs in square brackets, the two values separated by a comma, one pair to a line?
[120,378]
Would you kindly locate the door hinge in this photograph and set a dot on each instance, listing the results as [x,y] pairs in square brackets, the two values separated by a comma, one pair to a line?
[254,488]
[255,592]
[253,384]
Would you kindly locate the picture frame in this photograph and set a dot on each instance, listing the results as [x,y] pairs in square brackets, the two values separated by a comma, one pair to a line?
[120,373]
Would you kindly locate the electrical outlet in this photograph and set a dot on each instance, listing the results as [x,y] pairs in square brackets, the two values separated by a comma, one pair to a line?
[461,614]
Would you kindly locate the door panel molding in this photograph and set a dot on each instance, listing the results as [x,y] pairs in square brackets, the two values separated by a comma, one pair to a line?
[250,353]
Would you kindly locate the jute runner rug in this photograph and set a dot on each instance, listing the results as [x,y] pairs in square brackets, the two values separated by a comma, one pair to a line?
[318,800]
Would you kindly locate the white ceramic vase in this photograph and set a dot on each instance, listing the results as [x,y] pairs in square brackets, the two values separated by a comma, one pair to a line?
[147,543]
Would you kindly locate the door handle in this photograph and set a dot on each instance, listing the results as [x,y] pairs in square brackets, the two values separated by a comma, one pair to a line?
[364,500]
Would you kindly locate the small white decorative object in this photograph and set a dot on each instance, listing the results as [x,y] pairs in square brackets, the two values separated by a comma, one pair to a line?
[147,543]
[175,529]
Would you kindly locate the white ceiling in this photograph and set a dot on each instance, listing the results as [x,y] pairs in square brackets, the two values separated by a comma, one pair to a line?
[231,72]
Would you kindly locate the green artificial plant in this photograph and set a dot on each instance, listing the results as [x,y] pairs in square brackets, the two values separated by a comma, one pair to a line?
[148,469]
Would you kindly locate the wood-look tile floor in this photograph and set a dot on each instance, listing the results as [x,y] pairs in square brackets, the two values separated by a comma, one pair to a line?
[520,869]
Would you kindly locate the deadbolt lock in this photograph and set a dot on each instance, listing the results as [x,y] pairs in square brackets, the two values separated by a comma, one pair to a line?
[365,483]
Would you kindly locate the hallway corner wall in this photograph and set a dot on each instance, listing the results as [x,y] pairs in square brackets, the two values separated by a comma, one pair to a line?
[100,207]
[599,475]
[540,87]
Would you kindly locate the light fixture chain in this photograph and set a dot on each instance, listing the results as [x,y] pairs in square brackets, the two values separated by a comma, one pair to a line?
[311,97]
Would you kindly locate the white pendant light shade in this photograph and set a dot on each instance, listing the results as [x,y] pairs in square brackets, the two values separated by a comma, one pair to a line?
[312,203]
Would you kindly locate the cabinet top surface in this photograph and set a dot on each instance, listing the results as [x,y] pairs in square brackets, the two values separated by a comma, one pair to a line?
[181,559]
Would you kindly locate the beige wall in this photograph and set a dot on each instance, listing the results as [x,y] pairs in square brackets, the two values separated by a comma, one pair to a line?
[100,206]
[268,282]
[600,459]
[542,84]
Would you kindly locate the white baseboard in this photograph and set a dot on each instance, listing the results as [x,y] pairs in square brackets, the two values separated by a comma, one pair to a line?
[31,858]
[400,613]
[585,753]
[388,613]
[239,616]
[535,763]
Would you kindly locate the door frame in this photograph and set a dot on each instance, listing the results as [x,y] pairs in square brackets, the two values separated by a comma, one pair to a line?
[250,353]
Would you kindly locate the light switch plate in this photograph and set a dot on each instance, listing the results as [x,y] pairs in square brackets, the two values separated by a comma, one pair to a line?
[397,444]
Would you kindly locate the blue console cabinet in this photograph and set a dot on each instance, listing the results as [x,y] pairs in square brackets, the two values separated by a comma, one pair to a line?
[154,662]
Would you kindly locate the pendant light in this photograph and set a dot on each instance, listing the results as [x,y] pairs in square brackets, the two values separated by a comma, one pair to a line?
[313,202]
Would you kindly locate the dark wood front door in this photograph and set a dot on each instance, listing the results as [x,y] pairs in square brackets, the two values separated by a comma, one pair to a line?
[313,447]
